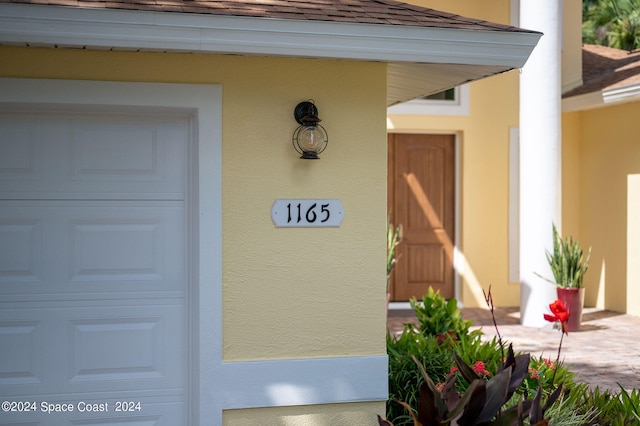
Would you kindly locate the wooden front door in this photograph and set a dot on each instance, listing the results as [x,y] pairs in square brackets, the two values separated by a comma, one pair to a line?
[421,198]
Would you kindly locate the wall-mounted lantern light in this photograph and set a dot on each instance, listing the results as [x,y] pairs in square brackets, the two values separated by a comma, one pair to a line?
[310,138]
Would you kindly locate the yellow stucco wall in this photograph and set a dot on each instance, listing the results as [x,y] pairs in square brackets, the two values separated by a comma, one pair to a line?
[490,10]
[610,156]
[357,414]
[571,134]
[572,179]
[287,293]
[633,244]
[572,44]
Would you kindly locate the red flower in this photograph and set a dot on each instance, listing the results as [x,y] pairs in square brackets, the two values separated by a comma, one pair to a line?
[560,313]
[478,367]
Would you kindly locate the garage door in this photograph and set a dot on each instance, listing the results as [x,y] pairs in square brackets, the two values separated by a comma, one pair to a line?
[93,270]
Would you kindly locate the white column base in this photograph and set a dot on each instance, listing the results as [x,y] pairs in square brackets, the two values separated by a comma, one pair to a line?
[535,298]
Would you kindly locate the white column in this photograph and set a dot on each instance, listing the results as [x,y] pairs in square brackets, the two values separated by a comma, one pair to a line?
[540,157]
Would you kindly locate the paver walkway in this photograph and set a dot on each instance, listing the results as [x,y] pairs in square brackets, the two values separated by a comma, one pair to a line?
[605,352]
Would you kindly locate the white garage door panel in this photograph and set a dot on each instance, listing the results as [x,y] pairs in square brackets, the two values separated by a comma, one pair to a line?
[89,155]
[69,349]
[91,247]
[22,350]
[93,263]
[20,253]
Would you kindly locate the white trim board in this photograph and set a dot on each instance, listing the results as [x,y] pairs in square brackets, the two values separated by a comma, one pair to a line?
[514,205]
[303,381]
[216,385]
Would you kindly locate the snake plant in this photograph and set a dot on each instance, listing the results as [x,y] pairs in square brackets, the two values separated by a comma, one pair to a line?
[567,261]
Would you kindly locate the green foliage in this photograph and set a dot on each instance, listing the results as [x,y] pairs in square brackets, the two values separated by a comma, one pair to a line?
[482,402]
[404,374]
[425,390]
[613,23]
[438,316]
[567,412]
[610,408]
[393,239]
[631,402]
[567,261]
[472,349]
[546,374]
[435,354]
[443,340]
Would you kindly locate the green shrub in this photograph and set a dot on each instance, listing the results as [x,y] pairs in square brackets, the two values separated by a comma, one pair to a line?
[471,349]
[543,372]
[404,374]
[483,402]
[436,357]
[567,412]
[438,316]
[441,331]
[611,408]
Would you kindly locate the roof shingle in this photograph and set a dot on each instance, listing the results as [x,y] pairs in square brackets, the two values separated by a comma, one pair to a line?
[385,12]
[606,68]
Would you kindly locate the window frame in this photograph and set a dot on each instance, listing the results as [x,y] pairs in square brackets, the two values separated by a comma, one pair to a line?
[458,106]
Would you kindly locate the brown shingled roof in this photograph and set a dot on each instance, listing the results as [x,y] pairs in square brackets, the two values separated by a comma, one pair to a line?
[606,68]
[388,12]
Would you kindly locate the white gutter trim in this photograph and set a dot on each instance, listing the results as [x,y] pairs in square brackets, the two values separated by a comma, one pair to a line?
[621,94]
[162,31]
[599,99]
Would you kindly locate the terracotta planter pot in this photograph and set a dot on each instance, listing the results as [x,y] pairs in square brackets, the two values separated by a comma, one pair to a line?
[573,299]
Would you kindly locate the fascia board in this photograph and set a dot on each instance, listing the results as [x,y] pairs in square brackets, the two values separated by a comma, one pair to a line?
[582,102]
[182,32]
[603,98]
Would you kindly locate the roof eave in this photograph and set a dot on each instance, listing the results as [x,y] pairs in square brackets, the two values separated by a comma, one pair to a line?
[602,98]
[42,25]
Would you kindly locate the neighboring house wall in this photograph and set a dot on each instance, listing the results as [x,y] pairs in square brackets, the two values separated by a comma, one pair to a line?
[571,179]
[288,293]
[572,45]
[608,209]
[489,10]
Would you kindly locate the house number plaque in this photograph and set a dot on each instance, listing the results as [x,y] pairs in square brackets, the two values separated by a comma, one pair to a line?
[306,213]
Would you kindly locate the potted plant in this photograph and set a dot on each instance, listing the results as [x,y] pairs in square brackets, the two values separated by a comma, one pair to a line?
[568,266]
